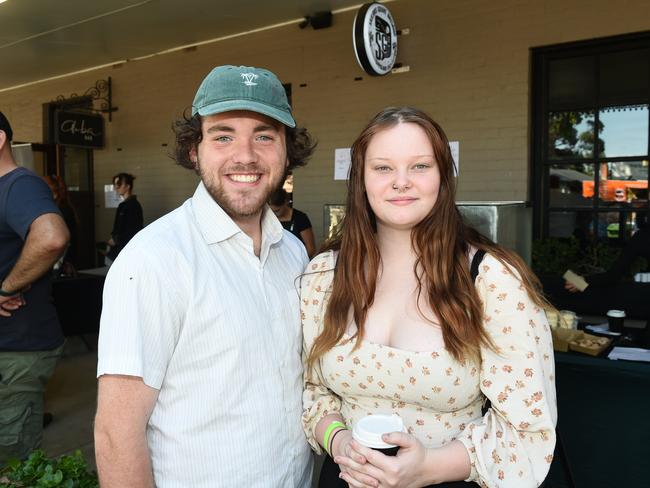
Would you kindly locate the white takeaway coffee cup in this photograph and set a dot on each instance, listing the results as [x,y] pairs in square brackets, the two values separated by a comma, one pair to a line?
[368,431]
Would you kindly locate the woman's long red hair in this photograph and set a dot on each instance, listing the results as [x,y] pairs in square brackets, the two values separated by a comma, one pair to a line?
[441,241]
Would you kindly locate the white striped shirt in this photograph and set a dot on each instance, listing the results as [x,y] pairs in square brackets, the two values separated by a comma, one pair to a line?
[189,308]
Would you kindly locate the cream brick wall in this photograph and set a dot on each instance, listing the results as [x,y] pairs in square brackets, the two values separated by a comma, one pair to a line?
[469,68]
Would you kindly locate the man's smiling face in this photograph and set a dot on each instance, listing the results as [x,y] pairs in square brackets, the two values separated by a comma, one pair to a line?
[241,159]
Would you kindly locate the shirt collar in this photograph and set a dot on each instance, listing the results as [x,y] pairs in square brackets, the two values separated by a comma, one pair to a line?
[272,230]
[217,226]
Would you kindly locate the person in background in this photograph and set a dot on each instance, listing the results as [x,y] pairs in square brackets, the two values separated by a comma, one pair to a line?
[33,236]
[395,323]
[62,200]
[293,220]
[199,366]
[637,247]
[128,217]
[608,290]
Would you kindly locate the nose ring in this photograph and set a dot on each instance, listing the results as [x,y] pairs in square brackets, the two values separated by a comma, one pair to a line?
[400,189]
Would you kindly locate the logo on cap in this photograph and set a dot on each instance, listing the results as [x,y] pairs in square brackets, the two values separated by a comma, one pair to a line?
[249,79]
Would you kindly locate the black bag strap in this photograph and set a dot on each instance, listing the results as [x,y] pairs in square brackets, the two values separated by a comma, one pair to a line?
[476,261]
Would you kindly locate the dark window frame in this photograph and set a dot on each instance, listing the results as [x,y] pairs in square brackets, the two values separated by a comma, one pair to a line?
[540,108]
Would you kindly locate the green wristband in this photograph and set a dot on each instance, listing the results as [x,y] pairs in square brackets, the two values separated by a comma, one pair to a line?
[328,433]
[6,293]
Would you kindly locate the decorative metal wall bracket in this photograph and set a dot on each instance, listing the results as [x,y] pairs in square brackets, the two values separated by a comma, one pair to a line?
[101,93]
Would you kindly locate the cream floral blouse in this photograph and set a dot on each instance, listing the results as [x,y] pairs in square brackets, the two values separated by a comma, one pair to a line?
[439,398]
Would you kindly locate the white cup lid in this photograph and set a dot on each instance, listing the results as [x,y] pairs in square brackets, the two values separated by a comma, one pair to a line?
[368,430]
[616,313]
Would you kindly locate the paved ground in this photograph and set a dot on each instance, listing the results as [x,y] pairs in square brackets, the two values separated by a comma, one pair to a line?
[71,398]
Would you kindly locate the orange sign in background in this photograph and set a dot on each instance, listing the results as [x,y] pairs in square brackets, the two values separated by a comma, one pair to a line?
[613,190]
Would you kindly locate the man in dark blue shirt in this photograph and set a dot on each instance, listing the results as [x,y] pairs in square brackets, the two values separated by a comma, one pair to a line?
[33,236]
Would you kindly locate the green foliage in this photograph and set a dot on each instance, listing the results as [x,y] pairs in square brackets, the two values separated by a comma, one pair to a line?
[38,471]
[598,257]
[564,139]
[554,256]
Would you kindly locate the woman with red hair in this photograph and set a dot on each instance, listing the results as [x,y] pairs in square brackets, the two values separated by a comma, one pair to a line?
[62,200]
[411,312]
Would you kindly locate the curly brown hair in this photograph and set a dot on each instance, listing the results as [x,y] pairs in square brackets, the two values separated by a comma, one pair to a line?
[300,144]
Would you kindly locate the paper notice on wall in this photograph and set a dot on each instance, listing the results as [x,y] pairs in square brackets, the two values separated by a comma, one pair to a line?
[23,155]
[341,163]
[454,147]
[111,198]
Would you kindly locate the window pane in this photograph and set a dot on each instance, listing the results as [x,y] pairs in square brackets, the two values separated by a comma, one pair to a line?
[624,77]
[572,83]
[568,224]
[570,135]
[571,185]
[623,131]
[611,224]
[624,183]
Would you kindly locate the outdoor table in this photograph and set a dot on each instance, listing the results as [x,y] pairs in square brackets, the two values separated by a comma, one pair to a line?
[78,302]
[603,419]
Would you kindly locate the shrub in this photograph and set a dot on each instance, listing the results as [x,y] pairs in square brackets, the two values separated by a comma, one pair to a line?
[39,471]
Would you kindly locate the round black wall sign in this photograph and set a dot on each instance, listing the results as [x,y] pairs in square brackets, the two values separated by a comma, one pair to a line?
[375,39]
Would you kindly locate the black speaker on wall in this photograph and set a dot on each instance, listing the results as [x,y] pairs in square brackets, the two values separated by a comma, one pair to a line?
[319,20]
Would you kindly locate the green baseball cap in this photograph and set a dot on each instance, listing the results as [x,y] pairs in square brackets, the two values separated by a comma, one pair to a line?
[229,88]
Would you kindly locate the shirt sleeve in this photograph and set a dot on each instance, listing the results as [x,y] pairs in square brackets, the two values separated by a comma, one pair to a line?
[318,400]
[512,444]
[142,313]
[28,198]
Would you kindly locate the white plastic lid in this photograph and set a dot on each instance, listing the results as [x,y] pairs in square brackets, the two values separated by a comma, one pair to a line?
[616,313]
[368,430]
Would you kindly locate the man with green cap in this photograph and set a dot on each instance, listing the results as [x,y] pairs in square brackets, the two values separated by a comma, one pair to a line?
[200,375]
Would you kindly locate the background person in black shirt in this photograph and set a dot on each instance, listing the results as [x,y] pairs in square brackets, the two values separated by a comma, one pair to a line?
[637,247]
[293,220]
[128,218]
[609,290]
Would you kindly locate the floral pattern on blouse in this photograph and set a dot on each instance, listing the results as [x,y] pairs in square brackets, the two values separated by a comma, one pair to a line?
[439,398]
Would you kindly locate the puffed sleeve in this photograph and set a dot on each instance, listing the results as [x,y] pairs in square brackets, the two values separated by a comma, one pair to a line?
[317,400]
[513,444]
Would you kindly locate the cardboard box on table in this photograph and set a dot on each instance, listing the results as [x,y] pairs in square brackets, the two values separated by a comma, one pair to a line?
[565,340]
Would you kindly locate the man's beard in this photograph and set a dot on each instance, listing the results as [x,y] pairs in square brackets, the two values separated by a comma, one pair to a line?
[247,203]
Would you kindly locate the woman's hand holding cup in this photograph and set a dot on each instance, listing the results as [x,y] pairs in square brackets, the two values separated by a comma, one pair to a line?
[351,454]
[390,457]
[352,463]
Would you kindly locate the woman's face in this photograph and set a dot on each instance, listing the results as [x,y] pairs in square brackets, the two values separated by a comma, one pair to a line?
[120,188]
[402,177]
